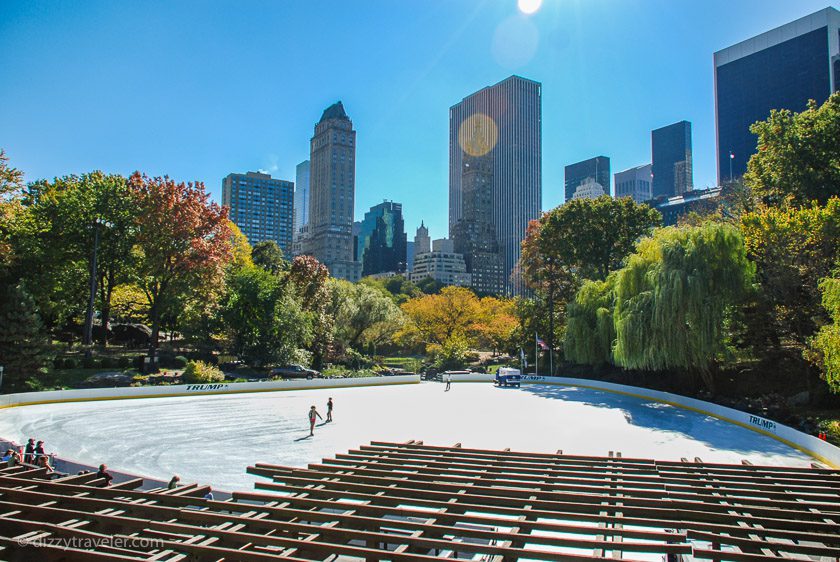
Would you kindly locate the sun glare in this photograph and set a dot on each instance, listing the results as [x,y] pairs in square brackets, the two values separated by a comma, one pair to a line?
[529,6]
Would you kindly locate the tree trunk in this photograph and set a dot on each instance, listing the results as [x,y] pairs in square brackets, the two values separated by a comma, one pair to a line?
[154,314]
[106,289]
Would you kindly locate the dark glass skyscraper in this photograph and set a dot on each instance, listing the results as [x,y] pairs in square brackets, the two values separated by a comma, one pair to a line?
[504,121]
[670,149]
[474,235]
[381,240]
[597,168]
[780,69]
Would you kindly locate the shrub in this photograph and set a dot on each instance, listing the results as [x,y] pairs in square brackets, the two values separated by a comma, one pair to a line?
[69,363]
[88,362]
[58,363]
[201,372]
[179,362]
[107,363]
[123,362]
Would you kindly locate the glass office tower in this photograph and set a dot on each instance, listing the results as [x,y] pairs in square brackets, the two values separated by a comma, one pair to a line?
[780,69]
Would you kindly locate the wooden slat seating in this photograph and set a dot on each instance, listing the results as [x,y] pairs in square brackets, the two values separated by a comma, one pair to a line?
[410,501]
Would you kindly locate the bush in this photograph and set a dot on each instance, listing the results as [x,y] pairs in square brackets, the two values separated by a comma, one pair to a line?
[58,363]
[88,362]
[69,363]
[123,362]
[137,362]
[107,363]
[179,362]
[198,372]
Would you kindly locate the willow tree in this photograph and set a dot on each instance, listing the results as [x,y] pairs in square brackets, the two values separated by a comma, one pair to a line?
[673,297]
[590,331]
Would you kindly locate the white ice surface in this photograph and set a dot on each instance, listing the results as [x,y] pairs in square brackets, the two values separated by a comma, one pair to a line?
[211,439]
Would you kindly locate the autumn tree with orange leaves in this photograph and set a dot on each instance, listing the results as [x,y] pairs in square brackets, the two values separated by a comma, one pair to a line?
[183,242]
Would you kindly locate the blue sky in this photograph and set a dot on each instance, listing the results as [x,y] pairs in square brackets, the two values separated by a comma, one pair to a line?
[196,90]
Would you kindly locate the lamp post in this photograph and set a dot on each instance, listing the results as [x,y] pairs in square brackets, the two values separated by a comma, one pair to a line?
[88,334]
[1,377]
[731,158]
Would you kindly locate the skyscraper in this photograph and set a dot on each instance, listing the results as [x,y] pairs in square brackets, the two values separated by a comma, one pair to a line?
[635,183]
[261,206]
[504,121]
[381,240]
[596,169]
[301,197]
[474,235]
[332,186]
[780,69]
[422,242]
[671,155]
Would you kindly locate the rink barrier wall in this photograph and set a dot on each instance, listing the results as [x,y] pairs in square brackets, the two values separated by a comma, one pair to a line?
[130,392]
[821,450]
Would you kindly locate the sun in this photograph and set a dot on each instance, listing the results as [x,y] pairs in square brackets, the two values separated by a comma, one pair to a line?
[529,6]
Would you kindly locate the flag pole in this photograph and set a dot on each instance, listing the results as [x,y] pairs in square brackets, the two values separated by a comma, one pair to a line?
[536,355]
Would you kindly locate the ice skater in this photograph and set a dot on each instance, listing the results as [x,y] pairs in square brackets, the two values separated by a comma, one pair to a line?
[448,378]
[329,409]
[313,412]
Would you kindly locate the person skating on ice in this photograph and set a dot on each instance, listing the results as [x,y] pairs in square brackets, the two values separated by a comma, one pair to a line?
[329,409]
[313,413]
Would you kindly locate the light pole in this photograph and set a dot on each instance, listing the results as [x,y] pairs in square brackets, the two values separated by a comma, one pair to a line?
[1,377]
[88,334]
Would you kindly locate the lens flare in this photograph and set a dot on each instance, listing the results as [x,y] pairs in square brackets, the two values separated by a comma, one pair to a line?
[529,6]
[478,134]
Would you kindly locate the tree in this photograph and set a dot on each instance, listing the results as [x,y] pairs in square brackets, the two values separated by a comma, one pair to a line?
[590,331]
[793,249]
[824,348]
[263,318]
[497,323]
[309,277]
[798,156]
[269,256]
[397,287]
[592,237]
[241,253]
[435,319]
[673,297]
[11,182]
[183,243]
[55,235]
[23,345]
[363,315]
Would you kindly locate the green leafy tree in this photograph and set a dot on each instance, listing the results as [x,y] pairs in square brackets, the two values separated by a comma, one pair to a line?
[23,344]
[798,156]
[263,317]
[824,348]
[590,330]
[580,240]
[363,314]
[591,237]
[793,249]
[673,298]
[55,236]
[269,256]
[397,287]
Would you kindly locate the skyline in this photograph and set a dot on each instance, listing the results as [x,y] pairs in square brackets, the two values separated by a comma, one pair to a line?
[198,95]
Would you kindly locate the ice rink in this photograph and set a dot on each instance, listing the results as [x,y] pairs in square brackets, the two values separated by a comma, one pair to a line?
[211,439]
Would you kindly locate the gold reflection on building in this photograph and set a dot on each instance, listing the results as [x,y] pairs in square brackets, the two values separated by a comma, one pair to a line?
[478,134]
